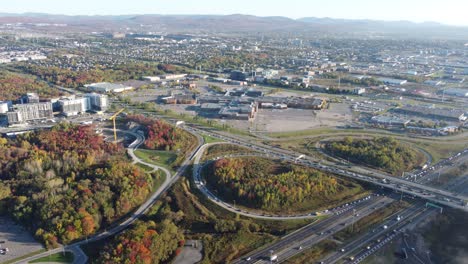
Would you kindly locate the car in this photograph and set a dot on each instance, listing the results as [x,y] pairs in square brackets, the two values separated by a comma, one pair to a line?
[249,259]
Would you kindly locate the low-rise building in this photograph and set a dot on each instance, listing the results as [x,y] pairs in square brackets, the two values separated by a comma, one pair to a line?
[391,81]
[151,78]
[390,121]
[105,87]
[180,99]
[459,92]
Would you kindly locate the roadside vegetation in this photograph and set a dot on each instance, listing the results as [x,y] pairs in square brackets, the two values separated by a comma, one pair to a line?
[272,186]
[215,151]
[56,258]
[188,215]
[366,223]
[314,253]
[163,136]
[384,153]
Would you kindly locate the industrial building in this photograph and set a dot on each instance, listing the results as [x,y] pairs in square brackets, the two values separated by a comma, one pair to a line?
[390,121]
[238,75]
[456,92]
[173,76]
[151,78]
[105,87]
[180,99]
[393,82]
[29,112]
[434,113]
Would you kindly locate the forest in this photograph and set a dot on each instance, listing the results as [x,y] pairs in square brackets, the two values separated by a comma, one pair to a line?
[146,242]
[13,86]
[267,185]
[66,183]
[118,73]
[384,153]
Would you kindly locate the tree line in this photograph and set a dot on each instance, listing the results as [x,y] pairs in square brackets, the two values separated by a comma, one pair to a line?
[385,153]
[263,184]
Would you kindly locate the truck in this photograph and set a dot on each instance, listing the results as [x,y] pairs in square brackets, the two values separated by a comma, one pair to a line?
[274,258]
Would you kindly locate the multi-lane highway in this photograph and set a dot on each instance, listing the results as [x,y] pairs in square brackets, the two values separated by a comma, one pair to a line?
[404,186]
[310,235]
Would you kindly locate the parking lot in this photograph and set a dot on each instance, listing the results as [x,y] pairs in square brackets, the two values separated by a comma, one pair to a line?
[16,239]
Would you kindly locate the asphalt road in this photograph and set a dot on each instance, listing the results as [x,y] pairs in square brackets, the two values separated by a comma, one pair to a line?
[170,179]
[316,232]
[418,190]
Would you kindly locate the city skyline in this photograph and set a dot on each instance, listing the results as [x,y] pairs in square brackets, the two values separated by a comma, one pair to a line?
[450,13]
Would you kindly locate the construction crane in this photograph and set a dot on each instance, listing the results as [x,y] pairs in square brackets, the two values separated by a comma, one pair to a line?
[113,119]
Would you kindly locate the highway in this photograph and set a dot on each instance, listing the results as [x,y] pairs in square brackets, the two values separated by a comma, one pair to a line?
[316,232]
[431,194]
[199,183]
[371,241]
[170,179]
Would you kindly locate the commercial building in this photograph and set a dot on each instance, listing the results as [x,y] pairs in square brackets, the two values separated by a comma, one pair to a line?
[180,99]
[29,112]
[97,102]
[105,87]
[239,111]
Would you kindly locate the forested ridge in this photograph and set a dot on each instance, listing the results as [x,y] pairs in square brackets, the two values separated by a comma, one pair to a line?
[13,86]
[66,183]
[267,185]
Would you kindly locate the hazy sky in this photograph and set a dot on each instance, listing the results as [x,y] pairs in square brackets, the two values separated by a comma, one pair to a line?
[453,12]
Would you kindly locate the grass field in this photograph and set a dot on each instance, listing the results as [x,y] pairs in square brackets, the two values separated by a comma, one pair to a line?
[58,258]
[160,158]
[210,139]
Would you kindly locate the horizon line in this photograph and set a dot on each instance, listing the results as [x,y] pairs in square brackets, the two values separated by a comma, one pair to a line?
[232,14]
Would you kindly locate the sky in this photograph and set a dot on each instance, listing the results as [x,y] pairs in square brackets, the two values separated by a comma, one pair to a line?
[452,12]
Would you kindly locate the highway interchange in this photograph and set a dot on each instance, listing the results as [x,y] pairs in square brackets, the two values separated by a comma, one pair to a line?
[302,239]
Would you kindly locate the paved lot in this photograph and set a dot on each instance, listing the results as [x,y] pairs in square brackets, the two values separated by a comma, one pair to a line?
[18,240]
[190,255]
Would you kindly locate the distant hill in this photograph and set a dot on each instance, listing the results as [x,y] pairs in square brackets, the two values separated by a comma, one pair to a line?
[238,23]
